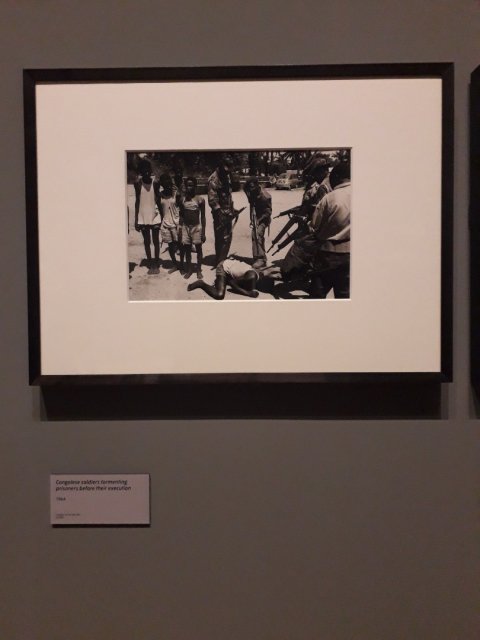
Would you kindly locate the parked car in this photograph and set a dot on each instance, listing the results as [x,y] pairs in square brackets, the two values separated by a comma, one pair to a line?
[202,184]
[288,180]
[263,181]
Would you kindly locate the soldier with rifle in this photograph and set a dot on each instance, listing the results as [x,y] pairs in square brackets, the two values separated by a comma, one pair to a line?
[260,217]
[330,226]
[221,203]
[323,254]
[317,185]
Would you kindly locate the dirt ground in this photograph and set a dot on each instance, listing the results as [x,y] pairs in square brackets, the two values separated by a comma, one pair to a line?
[173,286]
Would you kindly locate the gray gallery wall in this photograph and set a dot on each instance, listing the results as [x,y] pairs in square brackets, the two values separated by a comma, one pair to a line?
[262,529]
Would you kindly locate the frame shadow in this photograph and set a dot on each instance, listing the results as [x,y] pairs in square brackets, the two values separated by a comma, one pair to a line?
[332,401]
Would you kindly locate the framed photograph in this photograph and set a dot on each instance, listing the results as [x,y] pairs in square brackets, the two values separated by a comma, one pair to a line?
[240,224]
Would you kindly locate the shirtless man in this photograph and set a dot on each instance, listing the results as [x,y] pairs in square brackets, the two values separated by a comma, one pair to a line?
[169,211]
[192,226]
[233,272]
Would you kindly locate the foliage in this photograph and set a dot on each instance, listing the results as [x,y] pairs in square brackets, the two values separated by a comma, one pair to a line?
[201,164]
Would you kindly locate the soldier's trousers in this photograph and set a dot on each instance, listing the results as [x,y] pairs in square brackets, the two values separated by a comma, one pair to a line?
[222,230]
[258,248]
[331,271]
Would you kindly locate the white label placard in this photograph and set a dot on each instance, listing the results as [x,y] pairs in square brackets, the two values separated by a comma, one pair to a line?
[108,499]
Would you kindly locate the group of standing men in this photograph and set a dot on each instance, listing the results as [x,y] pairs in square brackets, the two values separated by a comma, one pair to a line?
[164,210]
[321,247]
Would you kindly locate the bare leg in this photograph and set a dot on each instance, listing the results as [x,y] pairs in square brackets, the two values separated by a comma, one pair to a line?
[181,249]
[146,243]
[156,242]
[246,286]
[188,257]
[172,248]
[216,291]
[156,246]
[152,268]
[198,247]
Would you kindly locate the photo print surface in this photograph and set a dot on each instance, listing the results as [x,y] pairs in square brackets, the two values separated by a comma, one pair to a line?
[239,225]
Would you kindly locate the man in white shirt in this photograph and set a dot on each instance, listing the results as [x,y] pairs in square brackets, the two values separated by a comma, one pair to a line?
[330,227]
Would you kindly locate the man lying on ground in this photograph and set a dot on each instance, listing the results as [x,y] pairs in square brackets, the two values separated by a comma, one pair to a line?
[239,275]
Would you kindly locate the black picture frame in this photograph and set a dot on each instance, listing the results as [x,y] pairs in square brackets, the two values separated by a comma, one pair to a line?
[443,71]
[474,223]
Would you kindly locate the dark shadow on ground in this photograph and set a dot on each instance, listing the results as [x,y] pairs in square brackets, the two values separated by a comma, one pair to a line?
[209,261]
[265,285]
[166,265]
[284,290]
[131,266]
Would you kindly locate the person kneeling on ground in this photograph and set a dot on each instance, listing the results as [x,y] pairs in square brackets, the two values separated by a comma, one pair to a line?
[238,274]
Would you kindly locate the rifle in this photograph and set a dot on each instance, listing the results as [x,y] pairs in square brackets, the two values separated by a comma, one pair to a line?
[299,232]
[236,213]
[288,212]
[294,217]
[253,224]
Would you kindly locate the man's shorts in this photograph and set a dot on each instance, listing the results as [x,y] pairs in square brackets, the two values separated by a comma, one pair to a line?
[169,234]
[191,234]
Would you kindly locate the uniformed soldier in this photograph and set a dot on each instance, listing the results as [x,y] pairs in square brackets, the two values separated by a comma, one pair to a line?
[317,185]
[260,217]
[221,203]
[330,227]
[297,260]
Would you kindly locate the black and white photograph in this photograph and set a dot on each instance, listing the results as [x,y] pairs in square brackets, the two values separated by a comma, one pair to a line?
[239,224]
